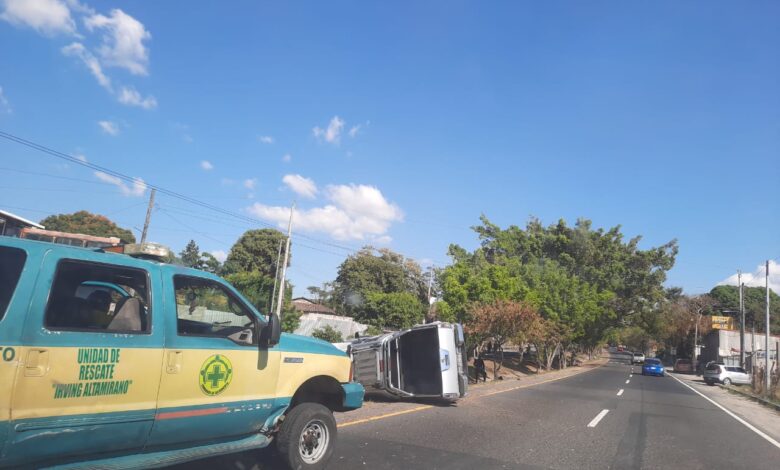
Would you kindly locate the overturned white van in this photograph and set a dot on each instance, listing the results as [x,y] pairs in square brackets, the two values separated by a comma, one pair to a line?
[425,361]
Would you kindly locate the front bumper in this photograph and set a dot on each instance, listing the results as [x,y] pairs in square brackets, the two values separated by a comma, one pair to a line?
[353,396]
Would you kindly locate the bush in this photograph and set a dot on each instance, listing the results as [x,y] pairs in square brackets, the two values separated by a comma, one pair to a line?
[328,333]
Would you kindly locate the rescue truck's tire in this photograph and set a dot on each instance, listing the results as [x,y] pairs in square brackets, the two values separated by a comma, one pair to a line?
[307,437]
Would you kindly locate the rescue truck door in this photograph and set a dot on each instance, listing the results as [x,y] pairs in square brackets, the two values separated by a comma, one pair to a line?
[88,379]
[217,381]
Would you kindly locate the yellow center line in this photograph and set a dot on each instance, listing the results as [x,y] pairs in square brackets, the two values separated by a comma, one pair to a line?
[388,415]
[427,407]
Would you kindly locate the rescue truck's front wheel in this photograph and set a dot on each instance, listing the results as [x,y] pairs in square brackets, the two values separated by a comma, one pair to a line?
[307,437]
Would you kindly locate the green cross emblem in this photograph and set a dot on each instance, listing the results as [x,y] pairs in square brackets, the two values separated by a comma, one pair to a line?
[215,374]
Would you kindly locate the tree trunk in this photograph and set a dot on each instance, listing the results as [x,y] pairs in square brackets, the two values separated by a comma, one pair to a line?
[562,355]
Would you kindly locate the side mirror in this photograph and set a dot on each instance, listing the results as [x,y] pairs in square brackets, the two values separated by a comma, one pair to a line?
[271,333]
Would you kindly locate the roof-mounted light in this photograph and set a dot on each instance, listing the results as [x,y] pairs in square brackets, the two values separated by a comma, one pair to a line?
[153,251]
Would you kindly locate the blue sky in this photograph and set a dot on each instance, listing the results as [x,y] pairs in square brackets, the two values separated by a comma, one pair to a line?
[398,123]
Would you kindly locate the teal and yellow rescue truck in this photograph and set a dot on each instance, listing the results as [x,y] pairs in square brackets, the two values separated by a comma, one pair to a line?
[111,361]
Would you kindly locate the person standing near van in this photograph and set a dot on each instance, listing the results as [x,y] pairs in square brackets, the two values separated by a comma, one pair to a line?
[479,369]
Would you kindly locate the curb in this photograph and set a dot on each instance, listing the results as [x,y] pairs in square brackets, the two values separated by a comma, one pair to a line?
[762,401]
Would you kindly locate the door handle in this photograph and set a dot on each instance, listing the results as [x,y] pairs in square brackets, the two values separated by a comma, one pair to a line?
[174,362]
[37,363]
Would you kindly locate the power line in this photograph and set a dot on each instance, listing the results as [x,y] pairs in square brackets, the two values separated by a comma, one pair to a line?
[190,227]
[174,194]
[167,192]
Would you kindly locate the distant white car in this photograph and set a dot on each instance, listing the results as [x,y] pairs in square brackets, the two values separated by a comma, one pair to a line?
[727,375]
[638,358]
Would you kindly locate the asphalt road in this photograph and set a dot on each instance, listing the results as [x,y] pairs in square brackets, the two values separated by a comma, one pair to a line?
[655,423]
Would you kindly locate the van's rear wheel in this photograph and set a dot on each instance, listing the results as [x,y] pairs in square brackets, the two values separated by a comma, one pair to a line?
[307,437]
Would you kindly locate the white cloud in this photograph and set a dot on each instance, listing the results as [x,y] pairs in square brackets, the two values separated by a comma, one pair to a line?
[136,189]
[332,134]
[266,139]
[5,107]
[80,7]
[220,255]
[383,240]
[78,50]
[48,17]
[758,277]
[131,97]
[356,212]
[123,41]
[206,165]
[353,131]
[250,183]
[286,158]
[109,127]
[80,157]
[301,185]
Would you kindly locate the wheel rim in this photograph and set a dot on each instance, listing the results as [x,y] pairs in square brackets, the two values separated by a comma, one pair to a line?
[314,441]
[726,381]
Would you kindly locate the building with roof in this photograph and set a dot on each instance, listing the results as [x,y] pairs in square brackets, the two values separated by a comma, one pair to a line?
[304,305]
[12,224]
[346,326]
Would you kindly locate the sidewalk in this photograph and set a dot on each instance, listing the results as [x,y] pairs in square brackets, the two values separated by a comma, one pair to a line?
[760,416]
[378,408]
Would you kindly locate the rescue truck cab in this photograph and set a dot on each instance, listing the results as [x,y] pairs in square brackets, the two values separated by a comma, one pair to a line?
[111,361]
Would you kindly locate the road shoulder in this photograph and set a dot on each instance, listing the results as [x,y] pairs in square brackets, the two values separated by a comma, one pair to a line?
[761,417]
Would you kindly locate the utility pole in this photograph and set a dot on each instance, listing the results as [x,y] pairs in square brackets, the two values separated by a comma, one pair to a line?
[741,323]
[430,285]
[767,372]
[276,279]
[696,340]
[148,216]
[284,264]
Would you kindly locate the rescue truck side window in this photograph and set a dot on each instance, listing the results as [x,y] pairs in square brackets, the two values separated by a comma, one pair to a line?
[98,298]
[11,264]
[206,308]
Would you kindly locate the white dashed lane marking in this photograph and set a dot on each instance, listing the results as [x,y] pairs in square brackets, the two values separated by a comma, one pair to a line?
[598,418]
[620,392]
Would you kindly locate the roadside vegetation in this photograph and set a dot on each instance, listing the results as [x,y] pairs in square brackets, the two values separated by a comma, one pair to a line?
[550,291]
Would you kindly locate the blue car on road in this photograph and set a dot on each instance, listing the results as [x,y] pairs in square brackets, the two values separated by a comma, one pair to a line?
[653,367]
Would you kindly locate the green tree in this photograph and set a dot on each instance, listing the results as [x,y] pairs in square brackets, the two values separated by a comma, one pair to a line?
[88,224]
[190,255]
[754,298]
[395,310]
[291,317]
[257,289]
[328,333]
[209,263]
[376,271]
[256,250]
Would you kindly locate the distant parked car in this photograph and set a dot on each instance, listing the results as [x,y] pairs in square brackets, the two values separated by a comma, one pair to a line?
[721,373]
[637,358]
[653,367]
[683,365]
